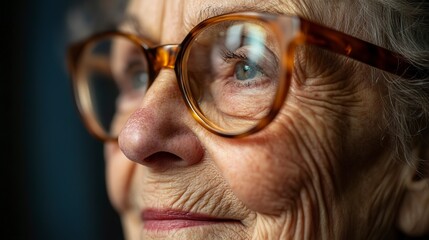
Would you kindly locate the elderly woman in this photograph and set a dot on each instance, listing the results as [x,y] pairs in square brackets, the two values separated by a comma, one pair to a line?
[263,119]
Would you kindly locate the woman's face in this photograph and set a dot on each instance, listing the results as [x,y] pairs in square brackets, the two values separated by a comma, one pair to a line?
[322,169]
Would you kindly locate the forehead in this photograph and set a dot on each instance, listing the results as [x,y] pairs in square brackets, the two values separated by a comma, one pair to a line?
[168,21]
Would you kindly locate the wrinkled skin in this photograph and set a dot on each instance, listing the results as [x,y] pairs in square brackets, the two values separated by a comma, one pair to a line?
[323,169]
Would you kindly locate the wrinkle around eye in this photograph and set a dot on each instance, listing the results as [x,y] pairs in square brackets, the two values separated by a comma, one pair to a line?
[316,67]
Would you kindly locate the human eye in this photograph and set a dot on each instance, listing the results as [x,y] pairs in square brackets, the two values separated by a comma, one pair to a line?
[238,70]
[132,79]
[246,71]
[244,64]
[137,77]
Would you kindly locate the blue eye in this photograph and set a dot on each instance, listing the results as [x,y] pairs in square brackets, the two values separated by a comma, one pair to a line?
[245,71]
[140,80]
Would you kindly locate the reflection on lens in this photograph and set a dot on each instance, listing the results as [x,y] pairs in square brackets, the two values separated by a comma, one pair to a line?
[234,83]
[115,74]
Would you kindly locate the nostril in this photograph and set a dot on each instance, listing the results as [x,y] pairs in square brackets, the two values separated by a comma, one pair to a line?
[162,156]
[163,160]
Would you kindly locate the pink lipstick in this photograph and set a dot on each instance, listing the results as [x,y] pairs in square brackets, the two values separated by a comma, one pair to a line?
[158,219]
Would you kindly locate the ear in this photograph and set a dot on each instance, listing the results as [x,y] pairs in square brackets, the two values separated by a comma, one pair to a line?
[413,216]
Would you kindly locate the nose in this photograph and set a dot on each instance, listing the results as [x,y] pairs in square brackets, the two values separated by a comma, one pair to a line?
[159,133]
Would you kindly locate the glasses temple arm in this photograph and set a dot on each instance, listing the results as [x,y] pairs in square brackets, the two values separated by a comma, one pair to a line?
[360,50]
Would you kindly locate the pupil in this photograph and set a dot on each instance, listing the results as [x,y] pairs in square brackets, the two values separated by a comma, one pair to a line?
[245,71]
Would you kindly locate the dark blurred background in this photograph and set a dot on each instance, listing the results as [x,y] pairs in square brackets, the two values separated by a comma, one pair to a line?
[52,170]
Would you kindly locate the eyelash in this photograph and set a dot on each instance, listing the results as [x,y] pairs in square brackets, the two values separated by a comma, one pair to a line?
[228,56]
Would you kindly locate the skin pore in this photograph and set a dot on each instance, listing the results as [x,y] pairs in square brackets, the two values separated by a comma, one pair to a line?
[323,169]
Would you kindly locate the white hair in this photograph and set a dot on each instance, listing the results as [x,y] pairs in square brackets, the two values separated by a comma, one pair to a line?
[401,26]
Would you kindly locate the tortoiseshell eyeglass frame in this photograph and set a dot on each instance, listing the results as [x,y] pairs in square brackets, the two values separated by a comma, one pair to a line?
[175,57]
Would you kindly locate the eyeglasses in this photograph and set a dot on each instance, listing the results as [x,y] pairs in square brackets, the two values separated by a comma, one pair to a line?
[233,70]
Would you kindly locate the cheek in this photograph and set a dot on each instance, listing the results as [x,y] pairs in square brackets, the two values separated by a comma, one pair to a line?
[271,170]
[119,171]
[266,175]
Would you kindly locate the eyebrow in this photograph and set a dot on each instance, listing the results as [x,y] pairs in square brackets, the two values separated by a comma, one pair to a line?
[131,20]
[277,7]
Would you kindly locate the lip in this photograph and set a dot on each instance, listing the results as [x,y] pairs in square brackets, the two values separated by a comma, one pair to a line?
[163,220]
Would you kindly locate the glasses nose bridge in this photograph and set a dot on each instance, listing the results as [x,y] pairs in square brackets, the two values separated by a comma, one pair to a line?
[164,56]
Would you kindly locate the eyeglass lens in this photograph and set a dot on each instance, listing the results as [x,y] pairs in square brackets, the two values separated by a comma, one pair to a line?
[231,69]
[115,70]
[233,73]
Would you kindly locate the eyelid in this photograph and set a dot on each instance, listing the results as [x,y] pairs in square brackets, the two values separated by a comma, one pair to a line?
[227,54]
[269,58]
[266,67]
[132,65]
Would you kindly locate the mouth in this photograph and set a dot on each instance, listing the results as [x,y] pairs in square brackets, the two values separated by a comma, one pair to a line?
[164,220]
